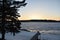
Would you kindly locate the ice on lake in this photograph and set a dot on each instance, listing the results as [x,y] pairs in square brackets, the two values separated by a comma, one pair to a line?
[49,31]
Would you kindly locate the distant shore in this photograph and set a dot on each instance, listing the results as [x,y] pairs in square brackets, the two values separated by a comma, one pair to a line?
[39,21]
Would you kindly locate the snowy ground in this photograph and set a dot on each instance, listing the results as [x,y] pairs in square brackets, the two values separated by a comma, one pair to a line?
[43,36]
[23,35]
[49,37]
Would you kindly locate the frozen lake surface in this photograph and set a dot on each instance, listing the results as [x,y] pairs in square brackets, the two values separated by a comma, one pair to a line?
[48,30]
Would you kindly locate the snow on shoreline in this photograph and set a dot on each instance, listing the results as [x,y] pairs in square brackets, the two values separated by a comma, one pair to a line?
[54,32]
[43,36]
[49,37]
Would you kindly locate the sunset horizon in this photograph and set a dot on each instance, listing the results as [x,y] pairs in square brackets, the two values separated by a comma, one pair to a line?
[41,9]
[39,19]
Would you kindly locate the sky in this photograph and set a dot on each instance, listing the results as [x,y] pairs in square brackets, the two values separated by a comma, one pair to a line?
[40,9]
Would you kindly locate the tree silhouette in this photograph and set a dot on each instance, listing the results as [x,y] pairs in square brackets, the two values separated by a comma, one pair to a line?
[9,21]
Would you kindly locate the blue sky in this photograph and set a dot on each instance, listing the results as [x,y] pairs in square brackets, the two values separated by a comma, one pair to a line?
[41,9]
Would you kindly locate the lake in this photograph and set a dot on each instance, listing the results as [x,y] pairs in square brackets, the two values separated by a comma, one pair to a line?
[48,30]
[46,26]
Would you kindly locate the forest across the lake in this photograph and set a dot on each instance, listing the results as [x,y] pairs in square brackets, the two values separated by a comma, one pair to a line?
[40,20]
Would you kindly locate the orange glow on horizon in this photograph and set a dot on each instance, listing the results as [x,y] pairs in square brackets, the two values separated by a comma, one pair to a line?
[38,18]
[37,15]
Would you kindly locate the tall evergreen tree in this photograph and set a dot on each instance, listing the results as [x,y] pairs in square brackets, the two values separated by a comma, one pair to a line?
[9,16]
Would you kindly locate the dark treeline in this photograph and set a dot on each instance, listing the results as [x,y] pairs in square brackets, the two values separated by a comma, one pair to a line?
[39,21]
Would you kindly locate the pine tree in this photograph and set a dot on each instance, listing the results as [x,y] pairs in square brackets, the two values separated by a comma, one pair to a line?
[9,21]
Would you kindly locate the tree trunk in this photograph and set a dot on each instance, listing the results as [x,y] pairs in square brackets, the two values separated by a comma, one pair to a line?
[3,36]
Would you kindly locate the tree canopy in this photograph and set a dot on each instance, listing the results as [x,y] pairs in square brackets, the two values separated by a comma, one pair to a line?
[9,21]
